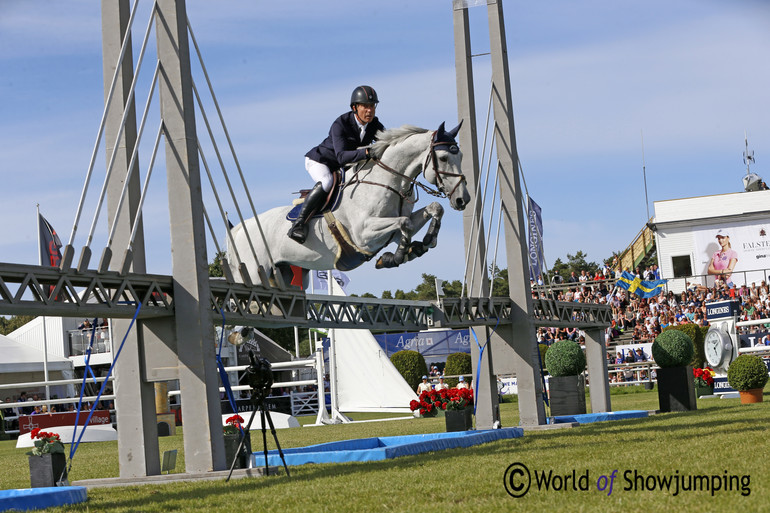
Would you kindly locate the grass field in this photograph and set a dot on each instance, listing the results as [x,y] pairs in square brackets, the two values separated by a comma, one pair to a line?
[722,438]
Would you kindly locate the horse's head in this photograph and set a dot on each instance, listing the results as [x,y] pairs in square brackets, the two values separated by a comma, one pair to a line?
[442,167]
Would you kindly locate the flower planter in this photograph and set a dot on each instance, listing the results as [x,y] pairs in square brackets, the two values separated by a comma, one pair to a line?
[459,420]
[703,390]
[676,389]
[231,446]
[567,395]
[48,470]
[751,396]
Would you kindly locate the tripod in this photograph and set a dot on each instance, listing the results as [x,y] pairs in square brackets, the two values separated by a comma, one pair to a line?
[260,379]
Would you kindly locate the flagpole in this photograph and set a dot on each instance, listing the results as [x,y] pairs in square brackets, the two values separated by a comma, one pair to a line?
[45,333]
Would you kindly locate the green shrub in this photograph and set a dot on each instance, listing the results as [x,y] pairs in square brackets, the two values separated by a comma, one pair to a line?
[697,334]
[673,348]
[457,363]
[747,372]
[411,365]
[565,358]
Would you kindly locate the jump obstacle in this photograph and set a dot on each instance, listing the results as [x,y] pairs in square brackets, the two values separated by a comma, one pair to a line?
[175,324]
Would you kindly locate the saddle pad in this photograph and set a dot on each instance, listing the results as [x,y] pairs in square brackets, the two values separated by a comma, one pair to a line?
[331,204]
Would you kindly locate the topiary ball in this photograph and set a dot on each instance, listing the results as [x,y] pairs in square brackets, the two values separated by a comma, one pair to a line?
[565,358]
[747,372]
[411,365]
[457,364]
[672,348]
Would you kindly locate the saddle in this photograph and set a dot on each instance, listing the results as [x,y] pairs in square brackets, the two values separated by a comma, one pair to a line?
[331,203]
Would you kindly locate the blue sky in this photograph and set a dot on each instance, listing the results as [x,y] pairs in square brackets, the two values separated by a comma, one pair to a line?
[587,78]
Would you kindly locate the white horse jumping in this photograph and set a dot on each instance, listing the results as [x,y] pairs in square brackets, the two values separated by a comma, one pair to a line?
[375,209]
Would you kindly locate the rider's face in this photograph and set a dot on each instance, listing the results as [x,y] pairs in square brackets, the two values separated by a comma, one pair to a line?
[364,111]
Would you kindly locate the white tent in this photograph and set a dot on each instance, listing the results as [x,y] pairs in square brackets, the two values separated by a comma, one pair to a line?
[366,379]
[20,363]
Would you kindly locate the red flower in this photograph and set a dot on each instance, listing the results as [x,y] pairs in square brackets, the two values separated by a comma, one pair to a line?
[34,433]
[235,419]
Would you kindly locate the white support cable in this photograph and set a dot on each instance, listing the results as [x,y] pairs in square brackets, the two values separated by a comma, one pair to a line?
[474,218]
[489,228]
[126,112]
[469,288]
[145,186]
[497,241]
[103,122]
[211,229]
[232,148]
[134,154]
[227,180]
[216,197]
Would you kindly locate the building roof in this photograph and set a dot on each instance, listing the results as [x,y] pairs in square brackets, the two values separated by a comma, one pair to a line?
[17,357]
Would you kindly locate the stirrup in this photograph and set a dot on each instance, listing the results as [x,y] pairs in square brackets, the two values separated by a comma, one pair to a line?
[298,232]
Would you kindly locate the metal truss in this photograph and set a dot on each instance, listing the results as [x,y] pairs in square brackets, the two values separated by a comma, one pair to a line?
[37,290]
[568,314]
[257,305]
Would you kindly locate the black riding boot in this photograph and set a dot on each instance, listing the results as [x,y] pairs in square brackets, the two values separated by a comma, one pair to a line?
[313,201]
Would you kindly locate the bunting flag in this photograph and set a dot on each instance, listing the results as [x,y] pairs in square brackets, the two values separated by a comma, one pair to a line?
[320,279]
[50,245]
[635,285]
[535,239]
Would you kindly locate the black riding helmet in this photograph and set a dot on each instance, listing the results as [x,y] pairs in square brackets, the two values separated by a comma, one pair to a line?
[363,94]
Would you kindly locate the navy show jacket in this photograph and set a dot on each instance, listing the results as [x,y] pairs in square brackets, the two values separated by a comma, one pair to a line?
[343,144]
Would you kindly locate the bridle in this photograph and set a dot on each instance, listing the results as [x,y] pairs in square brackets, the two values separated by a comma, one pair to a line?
[439,192]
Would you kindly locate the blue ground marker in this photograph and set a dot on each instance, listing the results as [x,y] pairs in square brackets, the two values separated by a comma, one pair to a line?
[382,448]
[40,498]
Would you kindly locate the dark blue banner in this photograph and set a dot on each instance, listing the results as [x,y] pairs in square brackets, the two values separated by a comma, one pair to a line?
[427,343]
[535,239]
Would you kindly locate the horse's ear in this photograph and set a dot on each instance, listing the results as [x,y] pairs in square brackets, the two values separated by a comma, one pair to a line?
[453,133]
[440,132]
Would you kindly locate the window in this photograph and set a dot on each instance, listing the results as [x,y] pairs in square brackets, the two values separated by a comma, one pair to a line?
[682,266]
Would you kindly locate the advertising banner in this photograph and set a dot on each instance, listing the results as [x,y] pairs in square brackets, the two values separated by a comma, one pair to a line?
[427,343]
[737,253]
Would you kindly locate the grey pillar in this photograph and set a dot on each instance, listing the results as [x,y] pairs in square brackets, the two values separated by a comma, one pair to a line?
[596,358]
[138,452]
[521,333]
[198,379]
[487,408]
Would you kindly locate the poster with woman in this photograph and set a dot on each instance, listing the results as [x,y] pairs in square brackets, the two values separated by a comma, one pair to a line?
[733,255]
[723,262]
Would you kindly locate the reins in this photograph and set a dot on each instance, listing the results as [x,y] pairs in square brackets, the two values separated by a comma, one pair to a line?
[439,192]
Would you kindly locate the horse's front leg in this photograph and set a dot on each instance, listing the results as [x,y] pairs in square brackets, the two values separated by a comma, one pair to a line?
[434,212]
[400,224]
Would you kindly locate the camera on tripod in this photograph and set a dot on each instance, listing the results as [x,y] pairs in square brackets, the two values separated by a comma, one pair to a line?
[259,375]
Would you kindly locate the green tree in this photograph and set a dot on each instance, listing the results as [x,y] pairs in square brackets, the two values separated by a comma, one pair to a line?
[9,324]
[215,267]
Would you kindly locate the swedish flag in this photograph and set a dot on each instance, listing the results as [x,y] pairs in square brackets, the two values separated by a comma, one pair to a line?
[634,284]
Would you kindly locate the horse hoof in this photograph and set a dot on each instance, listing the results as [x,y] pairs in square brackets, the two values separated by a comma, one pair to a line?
[379,264]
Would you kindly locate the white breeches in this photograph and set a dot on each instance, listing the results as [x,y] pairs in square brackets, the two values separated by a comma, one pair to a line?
[320,173]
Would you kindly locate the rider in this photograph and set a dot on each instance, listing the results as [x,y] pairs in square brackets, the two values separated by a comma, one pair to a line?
[342,146]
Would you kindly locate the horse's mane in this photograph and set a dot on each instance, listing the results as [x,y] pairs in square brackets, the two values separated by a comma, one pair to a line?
[393,136]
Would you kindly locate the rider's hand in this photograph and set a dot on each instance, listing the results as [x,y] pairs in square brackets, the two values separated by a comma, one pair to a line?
[370,155]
